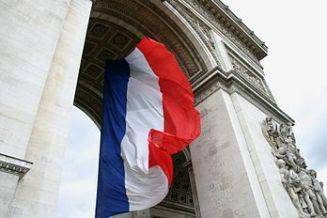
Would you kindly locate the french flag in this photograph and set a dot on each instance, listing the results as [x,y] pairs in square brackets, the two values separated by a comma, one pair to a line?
[148,115]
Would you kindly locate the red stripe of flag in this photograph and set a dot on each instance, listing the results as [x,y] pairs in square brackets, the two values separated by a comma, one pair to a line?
[181,119]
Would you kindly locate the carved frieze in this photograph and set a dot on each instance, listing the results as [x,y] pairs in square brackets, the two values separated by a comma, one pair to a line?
[305,191]
[202,29]
[14,165]
[224,26]
[246,74]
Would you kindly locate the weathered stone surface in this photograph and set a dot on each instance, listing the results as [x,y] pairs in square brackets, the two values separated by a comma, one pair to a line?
[224,173]
[28,37]
[36,194]
[250,118]
[7,189]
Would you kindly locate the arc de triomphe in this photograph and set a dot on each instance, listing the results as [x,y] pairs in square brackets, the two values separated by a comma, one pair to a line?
[52,57]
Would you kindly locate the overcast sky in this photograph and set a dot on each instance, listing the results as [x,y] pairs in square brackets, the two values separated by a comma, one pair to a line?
[296,35]
[295,32]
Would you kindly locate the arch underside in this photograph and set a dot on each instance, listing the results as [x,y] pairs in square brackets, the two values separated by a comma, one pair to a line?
[115,27]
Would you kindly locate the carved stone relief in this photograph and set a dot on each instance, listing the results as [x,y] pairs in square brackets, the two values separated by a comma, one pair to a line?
[246,74]
[14,165]
[305,191]
[223,26]
[199,27]
[202,29]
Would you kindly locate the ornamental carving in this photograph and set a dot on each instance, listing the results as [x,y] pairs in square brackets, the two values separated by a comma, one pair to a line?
[222,25]
[15,166]
[305,191]
[248,75]
[202,30]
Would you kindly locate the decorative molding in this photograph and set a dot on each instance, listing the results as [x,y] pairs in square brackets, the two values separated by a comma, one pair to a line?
[203,29]
[206,85]
[236,27]
[230,28]
[198,25]
[243,71]
[14,165]
[215,79]
[206,91]
[305,191]
[255,65]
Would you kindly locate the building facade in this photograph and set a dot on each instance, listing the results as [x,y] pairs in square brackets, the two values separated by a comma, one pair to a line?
[245,163]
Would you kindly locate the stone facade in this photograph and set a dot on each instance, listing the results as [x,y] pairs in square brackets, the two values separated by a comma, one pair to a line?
[52,57]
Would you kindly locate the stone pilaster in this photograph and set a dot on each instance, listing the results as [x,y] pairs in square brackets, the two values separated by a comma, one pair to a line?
[29,34]
[250,118]
[225,176]
[37,193]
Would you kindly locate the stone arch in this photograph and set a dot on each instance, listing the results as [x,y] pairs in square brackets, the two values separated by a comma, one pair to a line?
[114,29]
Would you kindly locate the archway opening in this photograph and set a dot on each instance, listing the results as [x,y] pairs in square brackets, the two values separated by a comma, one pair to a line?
[114,29]
[77,193]
[79,180]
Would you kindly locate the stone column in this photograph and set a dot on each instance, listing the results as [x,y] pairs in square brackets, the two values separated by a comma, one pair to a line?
[37,192]
[226,181]
[29,35]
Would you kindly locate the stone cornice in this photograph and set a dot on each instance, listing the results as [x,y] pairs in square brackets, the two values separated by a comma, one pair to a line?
[236,26]
[216,78]
[14,165]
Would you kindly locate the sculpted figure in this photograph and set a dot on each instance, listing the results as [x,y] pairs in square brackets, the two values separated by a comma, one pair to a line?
[270,132]
[271,126]
[305,191]
[318,189]
[285,153]
[291,182]
[286,132]
[300,160]
[286,137]
[308,194]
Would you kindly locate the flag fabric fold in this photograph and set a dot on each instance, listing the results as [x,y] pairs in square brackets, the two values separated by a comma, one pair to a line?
[148,115]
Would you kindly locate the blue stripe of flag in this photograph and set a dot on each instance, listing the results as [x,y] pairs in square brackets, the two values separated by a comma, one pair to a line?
[111,193]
